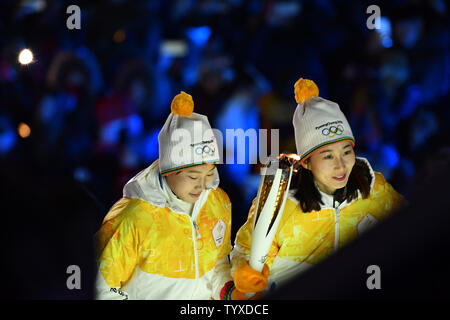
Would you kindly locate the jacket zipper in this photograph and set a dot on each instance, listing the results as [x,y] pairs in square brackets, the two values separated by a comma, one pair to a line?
[195,234]
[194,238]
[336,229]
[336,226]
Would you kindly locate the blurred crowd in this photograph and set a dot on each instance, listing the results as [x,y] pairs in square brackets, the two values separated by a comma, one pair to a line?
[91,104]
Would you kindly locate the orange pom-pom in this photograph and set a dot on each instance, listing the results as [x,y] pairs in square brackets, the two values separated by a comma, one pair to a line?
[182,104]
[305,89]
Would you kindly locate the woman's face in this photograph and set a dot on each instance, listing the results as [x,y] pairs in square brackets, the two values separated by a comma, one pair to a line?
[188,184]
[331,166]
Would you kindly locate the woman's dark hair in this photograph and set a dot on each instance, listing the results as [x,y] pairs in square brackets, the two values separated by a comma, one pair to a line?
[309,197]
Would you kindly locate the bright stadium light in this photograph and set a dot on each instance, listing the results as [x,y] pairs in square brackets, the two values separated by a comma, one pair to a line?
[25,56]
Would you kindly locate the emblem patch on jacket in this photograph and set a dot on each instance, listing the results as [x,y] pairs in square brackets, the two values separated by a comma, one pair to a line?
[219,232]
[366,223]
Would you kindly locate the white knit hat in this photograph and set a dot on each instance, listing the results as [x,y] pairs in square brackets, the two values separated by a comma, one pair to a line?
[186,140]
[317,122]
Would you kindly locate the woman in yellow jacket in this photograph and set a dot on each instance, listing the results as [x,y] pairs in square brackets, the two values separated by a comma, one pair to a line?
[169,236]
[334,197]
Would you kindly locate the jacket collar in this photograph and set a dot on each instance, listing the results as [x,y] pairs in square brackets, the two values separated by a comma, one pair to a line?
[366,163]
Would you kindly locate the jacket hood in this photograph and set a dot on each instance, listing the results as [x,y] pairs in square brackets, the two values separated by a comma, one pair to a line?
[365,163]
[147,186]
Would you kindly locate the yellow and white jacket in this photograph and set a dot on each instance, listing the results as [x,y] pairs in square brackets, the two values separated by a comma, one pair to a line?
[304,239]
[148,248]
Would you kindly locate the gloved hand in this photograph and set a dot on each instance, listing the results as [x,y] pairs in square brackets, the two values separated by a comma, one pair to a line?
[238,295]
[248,280]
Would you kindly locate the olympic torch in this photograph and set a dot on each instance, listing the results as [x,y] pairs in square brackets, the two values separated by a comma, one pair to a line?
[272,193]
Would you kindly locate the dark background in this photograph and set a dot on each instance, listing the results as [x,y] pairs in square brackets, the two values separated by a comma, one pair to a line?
[95,99]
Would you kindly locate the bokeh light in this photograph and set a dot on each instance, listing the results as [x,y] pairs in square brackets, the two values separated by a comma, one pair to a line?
[25,56]
[24,130]
[119,36]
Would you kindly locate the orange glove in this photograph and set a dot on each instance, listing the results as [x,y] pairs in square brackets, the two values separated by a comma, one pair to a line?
[238,295]
[247,279]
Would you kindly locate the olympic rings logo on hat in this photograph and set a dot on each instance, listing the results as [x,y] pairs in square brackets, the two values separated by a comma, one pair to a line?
[205,151]
[333,130]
